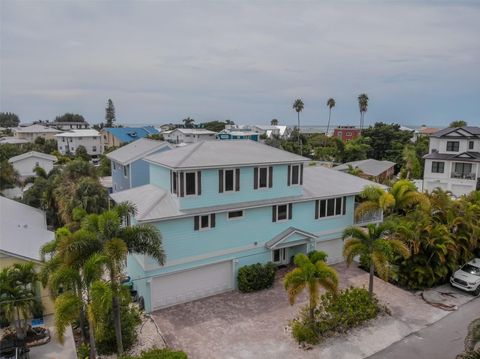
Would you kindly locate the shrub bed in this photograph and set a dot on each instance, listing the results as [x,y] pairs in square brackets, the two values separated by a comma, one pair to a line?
[336,314]
[159,354]
[256,277]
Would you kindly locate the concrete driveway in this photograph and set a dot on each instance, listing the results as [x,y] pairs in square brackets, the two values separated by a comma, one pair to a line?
[237,325]
[54,349]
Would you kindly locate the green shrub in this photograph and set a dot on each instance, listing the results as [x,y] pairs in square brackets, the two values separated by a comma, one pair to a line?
[105,336]
[83,351]
[304,332]
[336,313]
[315,256]
[159,354]
[256,277]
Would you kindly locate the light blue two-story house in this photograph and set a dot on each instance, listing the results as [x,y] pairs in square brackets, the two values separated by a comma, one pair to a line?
[128,167]
[220,205]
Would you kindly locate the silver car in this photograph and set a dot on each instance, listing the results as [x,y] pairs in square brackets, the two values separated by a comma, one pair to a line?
[468,277]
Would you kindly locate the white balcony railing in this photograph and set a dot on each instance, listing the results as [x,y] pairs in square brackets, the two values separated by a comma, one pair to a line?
[467,176]
[371,217]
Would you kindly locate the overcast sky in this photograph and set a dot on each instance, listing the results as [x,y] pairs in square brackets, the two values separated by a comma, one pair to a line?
[418,61]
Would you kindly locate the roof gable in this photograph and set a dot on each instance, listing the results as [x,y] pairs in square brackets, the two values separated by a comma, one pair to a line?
[32,154]
[290,236]
[136,150]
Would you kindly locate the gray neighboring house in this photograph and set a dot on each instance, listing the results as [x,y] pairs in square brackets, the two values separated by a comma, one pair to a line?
[374,169]
[129,170]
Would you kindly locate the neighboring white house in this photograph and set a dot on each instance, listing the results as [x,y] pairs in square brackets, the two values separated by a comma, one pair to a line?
[453,161]
[25,163]
[68,142]
[12,140]
[30,133]
[188,135]
[66,126]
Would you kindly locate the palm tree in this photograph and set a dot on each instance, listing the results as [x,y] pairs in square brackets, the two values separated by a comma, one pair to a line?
[117,241]
[363,106]
[310,273]
[407,196]
[17,294]
[375,244]
[274,122]
[188,122]
[374,198]
[298,106]
[330,104]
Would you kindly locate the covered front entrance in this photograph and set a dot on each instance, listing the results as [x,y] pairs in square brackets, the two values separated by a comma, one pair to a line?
[288,243]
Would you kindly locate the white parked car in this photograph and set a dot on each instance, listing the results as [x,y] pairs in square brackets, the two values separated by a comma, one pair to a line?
[468,277]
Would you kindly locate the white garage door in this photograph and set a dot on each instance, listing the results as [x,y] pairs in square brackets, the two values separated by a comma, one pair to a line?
[334,249]
[190,285]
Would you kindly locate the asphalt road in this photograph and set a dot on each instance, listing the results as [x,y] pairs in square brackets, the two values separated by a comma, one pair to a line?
[442,340]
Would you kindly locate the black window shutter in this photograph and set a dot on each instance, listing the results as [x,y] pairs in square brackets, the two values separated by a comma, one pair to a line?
[182,190]
[274,213]
[301,174]
[289,174]
[255,178]
[237,179]
[220,181]
[171,181]
[270,176]
[316,209]
[344,205]
[212,220]
[290,210]
[199,182]
[196,223]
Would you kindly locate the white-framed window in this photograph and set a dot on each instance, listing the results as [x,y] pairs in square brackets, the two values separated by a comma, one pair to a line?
[125,170]
[339,134]
[71,139]
[37,164]
[279,256]
[63,139]
[330,207]
[349,133]
[191,183]
[174,180]
[453,146]
[294,173]
[94,148]
[263,177]
[114,166]
[471,145]
[235,214]
[229,180]
[282,212]
[438,167]
[203,222]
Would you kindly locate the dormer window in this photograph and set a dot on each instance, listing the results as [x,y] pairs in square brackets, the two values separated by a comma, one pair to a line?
[295,175]
[453,146]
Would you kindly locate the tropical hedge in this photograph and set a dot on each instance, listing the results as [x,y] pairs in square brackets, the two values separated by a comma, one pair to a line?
[256,277]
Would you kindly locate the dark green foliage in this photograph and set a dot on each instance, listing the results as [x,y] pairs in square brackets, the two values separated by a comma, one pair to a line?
[215,126]
[159,354]
[104,169]
[386,141]
[83,351]
[336,313]
[8,175]
[256,277]
[315,256]
[9,119]
[70,117]
[156,136]
[110,114]
[82,154]
[130,319]
[458,123]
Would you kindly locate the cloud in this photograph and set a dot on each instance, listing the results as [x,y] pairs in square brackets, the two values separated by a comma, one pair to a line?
[247,61]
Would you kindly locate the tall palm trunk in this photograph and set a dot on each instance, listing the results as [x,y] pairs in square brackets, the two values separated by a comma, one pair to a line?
[93,346]
[312,304]
[370,283]
[298,133]
[116,312]
[329,115]
[18,325]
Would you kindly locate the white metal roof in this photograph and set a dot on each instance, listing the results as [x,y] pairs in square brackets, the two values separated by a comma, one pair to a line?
[194,131]
[154,203]
[36,129]
[135,150]
[32,154]
[23,229]
[205,154]
[12,140]
[79,133]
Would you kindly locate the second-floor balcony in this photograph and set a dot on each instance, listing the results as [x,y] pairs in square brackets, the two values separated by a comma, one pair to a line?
[461,175]
[367,218]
